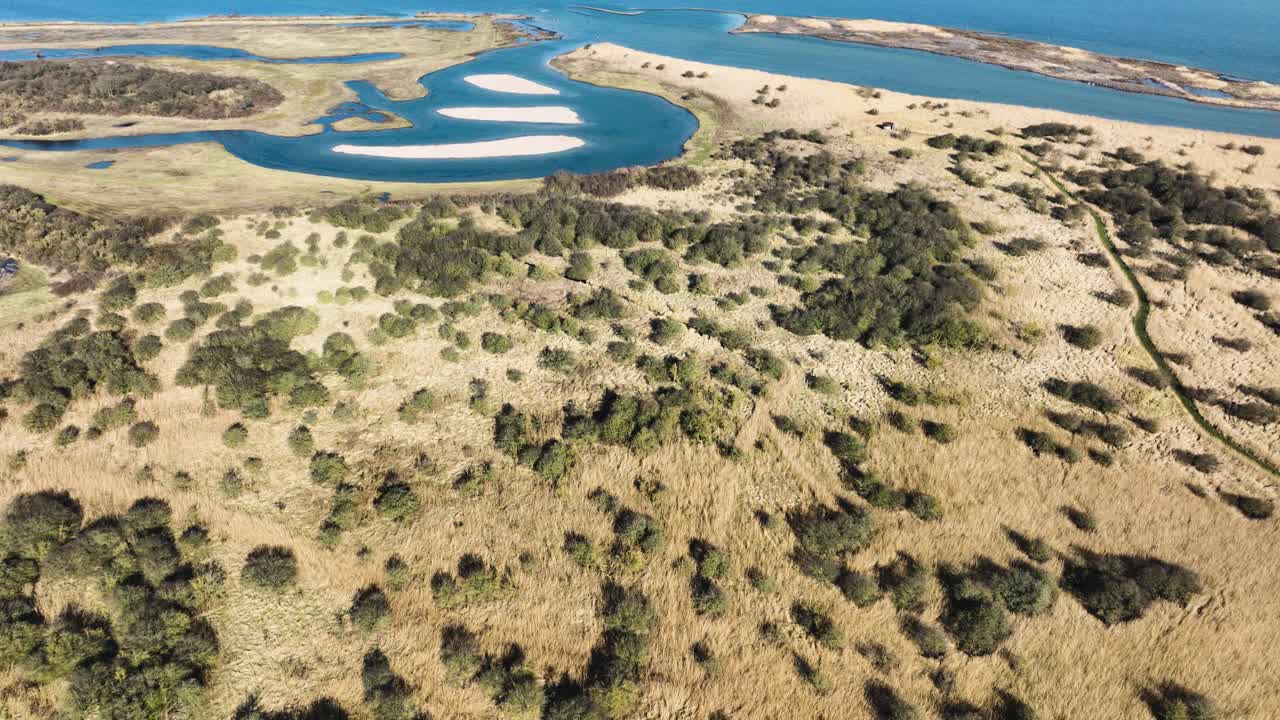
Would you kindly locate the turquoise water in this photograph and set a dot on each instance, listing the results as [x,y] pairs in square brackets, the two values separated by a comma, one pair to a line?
[624,128]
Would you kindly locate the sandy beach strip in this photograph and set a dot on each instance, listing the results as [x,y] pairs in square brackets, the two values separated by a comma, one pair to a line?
[510,84]
[507,147]
[542,114]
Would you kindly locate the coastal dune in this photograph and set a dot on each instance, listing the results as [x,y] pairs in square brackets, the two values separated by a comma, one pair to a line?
[510,84]
[555,114]
[524,145]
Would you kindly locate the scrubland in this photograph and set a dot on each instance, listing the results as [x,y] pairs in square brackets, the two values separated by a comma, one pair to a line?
[823,420]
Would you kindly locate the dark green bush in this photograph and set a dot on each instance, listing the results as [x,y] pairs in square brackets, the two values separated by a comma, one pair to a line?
[1254,508]
[328,468]
[1119,588]
[907,583]
[36,523]
[369,607]
[235,435]
[395,500]
[300,441]
[496,343]
[143,433]
[1171,701]
[1085,337]
[817,625]
[271,567]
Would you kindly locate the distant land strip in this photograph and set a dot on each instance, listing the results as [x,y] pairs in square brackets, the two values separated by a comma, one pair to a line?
[1147,77]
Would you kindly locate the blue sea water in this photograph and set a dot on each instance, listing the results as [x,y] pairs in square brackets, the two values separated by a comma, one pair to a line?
[624,128]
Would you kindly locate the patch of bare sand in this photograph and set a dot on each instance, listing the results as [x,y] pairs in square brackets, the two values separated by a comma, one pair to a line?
[553,114]
[507,147]
[887,26]
[839,108]
[510,84]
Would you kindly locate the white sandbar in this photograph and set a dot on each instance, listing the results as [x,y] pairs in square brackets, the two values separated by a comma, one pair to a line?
[543,114]
[510,84]
[507,147]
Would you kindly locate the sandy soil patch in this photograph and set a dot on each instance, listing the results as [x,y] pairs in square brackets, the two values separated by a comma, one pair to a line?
[870,25]
[816,24]
[510,84]
[507,147]
[542,114]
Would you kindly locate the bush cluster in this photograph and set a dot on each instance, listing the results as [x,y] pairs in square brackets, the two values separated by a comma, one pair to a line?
[146,644]
[74,363]
[117,88]
[1119,588]
[247,366]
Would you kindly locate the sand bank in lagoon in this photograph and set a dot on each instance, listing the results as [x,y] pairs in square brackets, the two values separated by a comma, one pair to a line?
[507,147]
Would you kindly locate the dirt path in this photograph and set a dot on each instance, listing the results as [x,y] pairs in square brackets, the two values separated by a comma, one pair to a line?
[1144,339]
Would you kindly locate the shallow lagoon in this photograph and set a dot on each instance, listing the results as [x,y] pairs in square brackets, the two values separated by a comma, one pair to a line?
[624,128]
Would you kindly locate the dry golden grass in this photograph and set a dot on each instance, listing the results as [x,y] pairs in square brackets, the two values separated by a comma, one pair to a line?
[297,647]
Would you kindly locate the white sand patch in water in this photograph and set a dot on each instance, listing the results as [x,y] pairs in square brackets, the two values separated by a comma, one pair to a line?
[507,147]
[541,114]
[510,84]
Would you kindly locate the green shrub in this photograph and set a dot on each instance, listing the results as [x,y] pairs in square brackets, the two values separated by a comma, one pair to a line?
[924,506]
[939,432]
[1085,337]
[147,347]
[887,704]
[907,583]
[232,483]
[849,449]
[42,418]
[978,622]
[328,468]
[67,435]
[301,442]
[1119,588]
[580,550]
[766,363]
[581,267]
[143,433]
[36,523]
[120,295]
[397,572]
[395,500]
[817,625]
[1086,394]
[476,582]
[235,435]
[369,607]
[829,534]
[148,313]
[1254,508]
[180,329]
[308,394]
[709,599]
[496,343]
[556,359]
[665,331]
[858,588]
[271,567]
[1024,589]
[412,409]
[1175,702]
[822,384]
[930,639]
